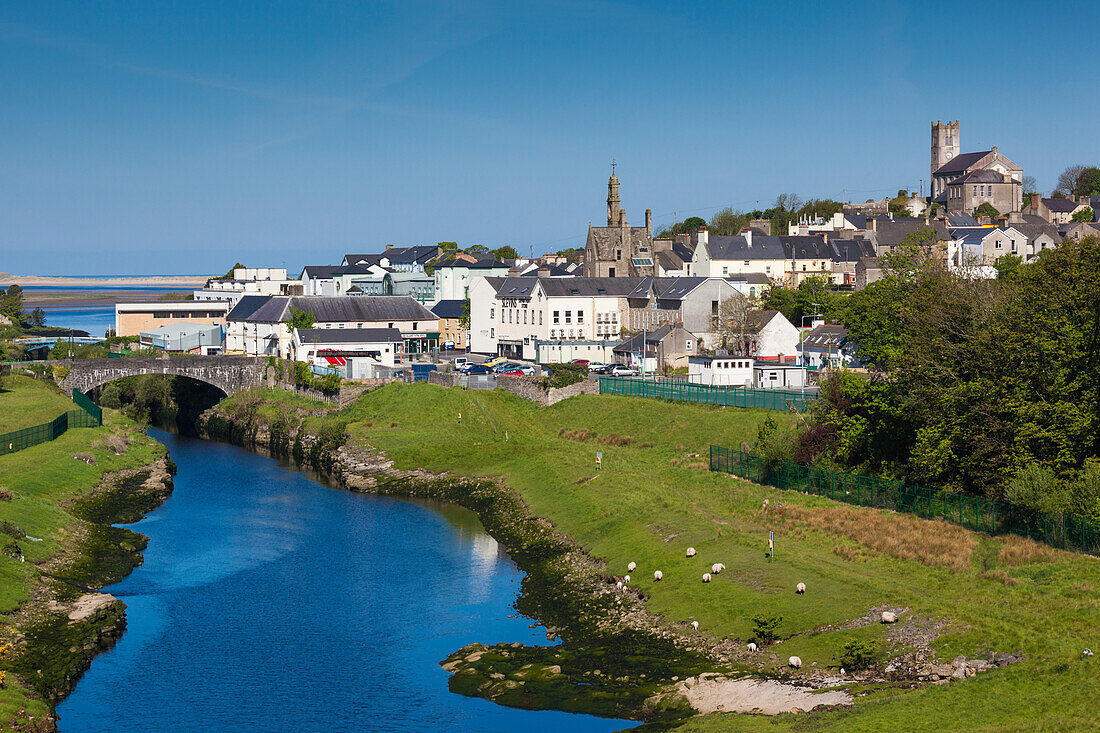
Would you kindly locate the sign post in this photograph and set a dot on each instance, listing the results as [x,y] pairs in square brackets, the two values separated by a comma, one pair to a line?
[771,544]
[599,459]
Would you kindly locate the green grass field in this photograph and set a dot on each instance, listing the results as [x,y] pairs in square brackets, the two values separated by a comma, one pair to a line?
[22,405]
[44,480]
[652,499]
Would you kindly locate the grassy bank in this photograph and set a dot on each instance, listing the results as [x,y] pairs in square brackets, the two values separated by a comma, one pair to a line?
[965,593]
[56,517]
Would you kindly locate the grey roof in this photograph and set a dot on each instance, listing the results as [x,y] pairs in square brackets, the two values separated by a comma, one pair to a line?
[246,306]
[856,220]
[1032,219]
[751,278]
[276,308]
[1034,231]
[1062,206]
[890,233]
[824,338]
[961,162]
[322,272]
[634,343]
[737,248]
[593,286]
[483,263]
[851,250]
[513,287]
[396,255]
[982,175]
[349,335]
[449,308]
[669,261]
[756,320]
[959,219]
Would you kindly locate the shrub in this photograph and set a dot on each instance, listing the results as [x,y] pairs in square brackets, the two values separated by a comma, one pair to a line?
[764,627]
[1035,487]
[856,654]
[563,375]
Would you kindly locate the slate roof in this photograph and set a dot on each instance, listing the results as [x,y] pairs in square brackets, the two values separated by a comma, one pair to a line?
[824,338]
[851,250]
[634,343]
[959,219]
[396,255]
[751,278]
[276,308]
[482,264]
[982,175]
[350,335]
[737,248]
[246,306]
[589,286]
[669,261]
[513,287]
[322,272]
[758,319]
[1034,231]
[890,233]
[961,162]
[1061,206]
[449,308]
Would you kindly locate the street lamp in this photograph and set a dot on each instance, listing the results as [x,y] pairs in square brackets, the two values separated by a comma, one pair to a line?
[801,346]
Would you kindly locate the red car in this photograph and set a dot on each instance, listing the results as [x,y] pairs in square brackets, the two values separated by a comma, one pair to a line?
[580,362]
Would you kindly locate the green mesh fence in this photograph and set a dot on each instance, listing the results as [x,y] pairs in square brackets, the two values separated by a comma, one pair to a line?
[981,515]
[683,391]
[89,416]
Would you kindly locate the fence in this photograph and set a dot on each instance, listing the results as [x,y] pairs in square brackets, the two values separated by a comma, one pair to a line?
[728,396]
[89,416]
[975,513]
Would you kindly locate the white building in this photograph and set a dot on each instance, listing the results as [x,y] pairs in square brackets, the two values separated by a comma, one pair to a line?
[728,256]
[453,277]
[778,376]
[258,325]
[768,334]
[250,281]
[720,371]
[334,346]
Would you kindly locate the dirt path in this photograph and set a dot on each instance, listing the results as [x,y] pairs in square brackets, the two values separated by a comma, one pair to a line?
[748,695]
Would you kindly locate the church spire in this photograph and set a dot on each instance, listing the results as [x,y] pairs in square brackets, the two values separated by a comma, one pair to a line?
[612,198]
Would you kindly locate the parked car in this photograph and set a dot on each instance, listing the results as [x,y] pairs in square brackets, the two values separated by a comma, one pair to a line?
[505,366]
[520,370]
[600,369]
[622,370]
[594,365]
[494,361]
[461,363]
[580,362]
[448,345]
[478,369]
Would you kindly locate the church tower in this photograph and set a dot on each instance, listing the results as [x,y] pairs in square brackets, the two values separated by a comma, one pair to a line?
[945,144]
[613,199]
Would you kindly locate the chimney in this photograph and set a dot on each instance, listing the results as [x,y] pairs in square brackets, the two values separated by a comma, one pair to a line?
[874,224]
[649,221]
[747,232]
[984,220]
[1036,202]
[622,217]
[1015,217]
[704,236]
[389,246]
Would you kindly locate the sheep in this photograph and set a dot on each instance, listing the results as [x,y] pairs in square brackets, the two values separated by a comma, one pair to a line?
[657,575]
[691,552]
[695,625]
[630,567]
[626,579]
[706,577]
[842,671]
[800,588]
[1087,652]
[889,617]
[752,647]
[717,568]
[764,506]
[795,662]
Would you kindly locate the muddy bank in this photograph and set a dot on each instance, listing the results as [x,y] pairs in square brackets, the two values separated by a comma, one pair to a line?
[66,622]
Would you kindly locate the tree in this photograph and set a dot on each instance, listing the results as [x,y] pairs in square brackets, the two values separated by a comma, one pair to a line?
[38,317]
[464,319]
[300,319]
[1085,215]
[1007,266]
[477,249]
[1079,180]
[505,253]
[1030,186]
[572,254]
[986,209]
[780,298]
[727,222]
[730,324]
[899,206]
[815,296]
[11,303]
[447,245]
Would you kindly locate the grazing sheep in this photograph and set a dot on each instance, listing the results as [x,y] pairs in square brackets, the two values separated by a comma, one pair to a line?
[1087,652]
[626,579]
[695,625]
[764,506]
[800,588]
[717,568]
[889,617]
[706,577]
[752,646]
[691,552]
[619,585]
[631,566]
[657,575]
[842,671]
[795,662]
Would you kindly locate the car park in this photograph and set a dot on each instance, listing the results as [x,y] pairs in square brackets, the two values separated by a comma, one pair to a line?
[494,361]
[461,363]
[621,370]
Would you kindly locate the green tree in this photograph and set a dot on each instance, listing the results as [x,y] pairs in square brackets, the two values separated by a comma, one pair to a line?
[11,303]
[38,317]
[1084,215]
[447,245]
[464,319]
[815,296]
[505,253]
[477,249]
[1008,266]
[780,298]
[572,254]
[727,222]
[1079,180]
[300,318]
[986,209]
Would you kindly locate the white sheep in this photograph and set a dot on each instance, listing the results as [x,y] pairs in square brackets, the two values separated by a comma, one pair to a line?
[795,662]
[842,671]
[800,588]
[764,506]
[626,579]
[717,568]
[619,585]
[695,625]
[630,567]
[706,577]
[1087,652]
[691,552]
[657,575]
[752,647]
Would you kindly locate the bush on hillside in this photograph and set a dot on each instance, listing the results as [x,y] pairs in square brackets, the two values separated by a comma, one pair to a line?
[563,375]
[765,628]
[856,654]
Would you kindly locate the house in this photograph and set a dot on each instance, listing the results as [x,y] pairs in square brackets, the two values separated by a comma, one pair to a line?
[397,259]
[184,338]
[752,285]
[665,347]
[767,335]
[846,254]
[334,346]
[618,249]
[250,281]
[767,375]
[1077,230]
[838,222]
[979,246]
[948,166]
[451,330]
[690,301]
[131,319]
[885,235]
[720,370]
[868,270]
[1057,210]
[983,186]
[725,256]
[257,325]
[454,275]
[824,346]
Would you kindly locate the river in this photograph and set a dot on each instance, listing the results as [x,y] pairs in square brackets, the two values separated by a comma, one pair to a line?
[270,602]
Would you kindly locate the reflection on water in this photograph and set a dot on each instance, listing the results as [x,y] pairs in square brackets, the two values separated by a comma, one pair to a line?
[270,602]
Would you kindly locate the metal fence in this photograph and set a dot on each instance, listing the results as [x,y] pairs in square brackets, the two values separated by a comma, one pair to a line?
[89,416]
[727,396]
[981,515]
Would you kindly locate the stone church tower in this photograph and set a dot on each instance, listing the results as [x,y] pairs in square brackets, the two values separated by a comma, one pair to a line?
[945,144]
[613,210]
[618,249]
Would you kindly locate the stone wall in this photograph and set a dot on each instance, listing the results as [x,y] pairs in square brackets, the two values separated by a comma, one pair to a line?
[445,379]
[228,373]
[588,386]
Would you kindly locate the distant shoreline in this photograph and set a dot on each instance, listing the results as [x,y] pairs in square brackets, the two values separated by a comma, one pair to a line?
[183,281]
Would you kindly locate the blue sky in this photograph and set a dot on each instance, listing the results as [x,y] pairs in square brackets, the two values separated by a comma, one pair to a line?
[153,137]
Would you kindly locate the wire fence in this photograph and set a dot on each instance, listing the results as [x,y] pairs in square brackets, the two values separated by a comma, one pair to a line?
[90,415]
[981,515]
[680,390]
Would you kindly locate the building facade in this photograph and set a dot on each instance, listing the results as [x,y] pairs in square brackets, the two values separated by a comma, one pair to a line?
[618,249]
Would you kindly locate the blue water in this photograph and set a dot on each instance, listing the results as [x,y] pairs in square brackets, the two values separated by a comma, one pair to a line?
[268,602]
[95,319]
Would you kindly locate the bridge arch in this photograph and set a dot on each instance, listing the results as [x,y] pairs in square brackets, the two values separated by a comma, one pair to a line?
[227,373]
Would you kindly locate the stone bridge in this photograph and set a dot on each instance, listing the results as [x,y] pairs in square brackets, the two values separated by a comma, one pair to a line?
[227,373]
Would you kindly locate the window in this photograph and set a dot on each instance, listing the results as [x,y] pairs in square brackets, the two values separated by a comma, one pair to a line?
[746,263]
[975,190]
[725,270]
[687,346]
[415,325]
[490,314]
[540,318]
[555,321]
[580,316]
[492,333]
[611,272]
[525,318]
[569,316]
